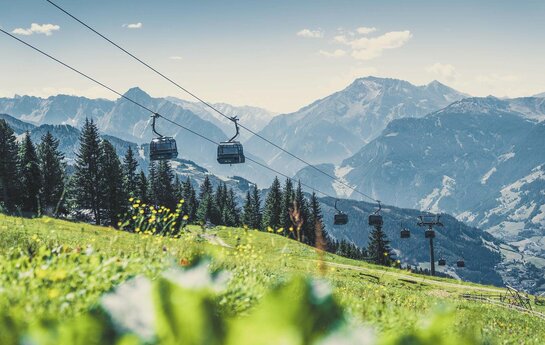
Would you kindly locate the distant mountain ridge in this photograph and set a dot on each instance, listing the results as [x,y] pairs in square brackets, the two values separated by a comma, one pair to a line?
[481,159]
[337,126]
[126,120]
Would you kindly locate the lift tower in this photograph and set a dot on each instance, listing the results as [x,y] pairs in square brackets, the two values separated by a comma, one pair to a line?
[429,221]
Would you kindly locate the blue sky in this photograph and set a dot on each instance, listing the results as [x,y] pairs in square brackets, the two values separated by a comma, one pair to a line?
[280,55]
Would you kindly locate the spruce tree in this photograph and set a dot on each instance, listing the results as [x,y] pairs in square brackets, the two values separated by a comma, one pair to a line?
[190,205]
[9,180]
[273,207]
[163,186]
[287,203]
[115,199]
[142,187]
[379,250]
[207,211]
[248,210]
[129,173]
[307,234]
[230,215]
[153,187]
[220,199]
[256,207]
[316,222]
[52,167]
[29,176]
[87,180]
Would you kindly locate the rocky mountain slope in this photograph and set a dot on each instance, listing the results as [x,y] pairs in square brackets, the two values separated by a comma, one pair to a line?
[127,121]
[337,126]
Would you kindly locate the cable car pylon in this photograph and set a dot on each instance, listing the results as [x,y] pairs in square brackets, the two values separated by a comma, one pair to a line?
[429,221]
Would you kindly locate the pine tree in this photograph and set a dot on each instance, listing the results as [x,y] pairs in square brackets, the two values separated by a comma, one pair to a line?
[129,173]
[379,250]
[163,186]
[87,177]
[230,214]
[316,222]
[190,205]
[29,176]
[287,204]
[115,199]
[273,207]
[220,199]
[9,181]
[257,211]
[248,210]
[53,175]
[205,188]
[207,211]
[142,188]
[306,231]
[153,187]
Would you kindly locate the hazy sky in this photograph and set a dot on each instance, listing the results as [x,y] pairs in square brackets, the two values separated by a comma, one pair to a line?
[280,55]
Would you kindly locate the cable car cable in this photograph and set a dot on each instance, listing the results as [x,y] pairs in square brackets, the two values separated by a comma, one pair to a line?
[208,104]
[149,110]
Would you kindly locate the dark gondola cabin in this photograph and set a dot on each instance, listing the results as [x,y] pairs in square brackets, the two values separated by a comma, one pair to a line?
[340,219]
[230,153]
[442,262]
[461,263]
[405,233]
[429,234]
[163,148]
[375,220]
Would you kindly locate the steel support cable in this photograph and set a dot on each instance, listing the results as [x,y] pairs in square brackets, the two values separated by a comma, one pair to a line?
[150,110]
[334,178]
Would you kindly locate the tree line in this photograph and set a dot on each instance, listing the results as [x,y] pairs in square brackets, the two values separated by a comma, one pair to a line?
[33,181]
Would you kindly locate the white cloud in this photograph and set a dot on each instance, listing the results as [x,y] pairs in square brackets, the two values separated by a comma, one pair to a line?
[334,54]
[363,30]
[45,29]
[446,71]
[307,33]
[364,48]
[133,26]
[175,58]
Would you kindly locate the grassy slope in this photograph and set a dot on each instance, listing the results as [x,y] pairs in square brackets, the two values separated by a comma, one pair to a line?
[391,300]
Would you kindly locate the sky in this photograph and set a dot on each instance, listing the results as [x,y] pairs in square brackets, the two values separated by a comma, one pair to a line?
[280,55]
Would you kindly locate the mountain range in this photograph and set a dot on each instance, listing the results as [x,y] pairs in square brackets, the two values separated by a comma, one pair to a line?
[424,147]
[128,121]
[337,126]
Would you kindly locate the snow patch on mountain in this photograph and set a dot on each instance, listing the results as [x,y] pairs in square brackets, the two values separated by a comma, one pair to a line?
[487,175]
[506,156]
[432,200]
[511,194]
[341,189]
[540,217]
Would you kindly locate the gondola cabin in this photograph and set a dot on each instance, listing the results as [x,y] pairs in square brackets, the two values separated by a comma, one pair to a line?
[442,262]
[375,220]
[429,234]
[230,152]
[340,219]
[405,233]
[163,148]
[461,263]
